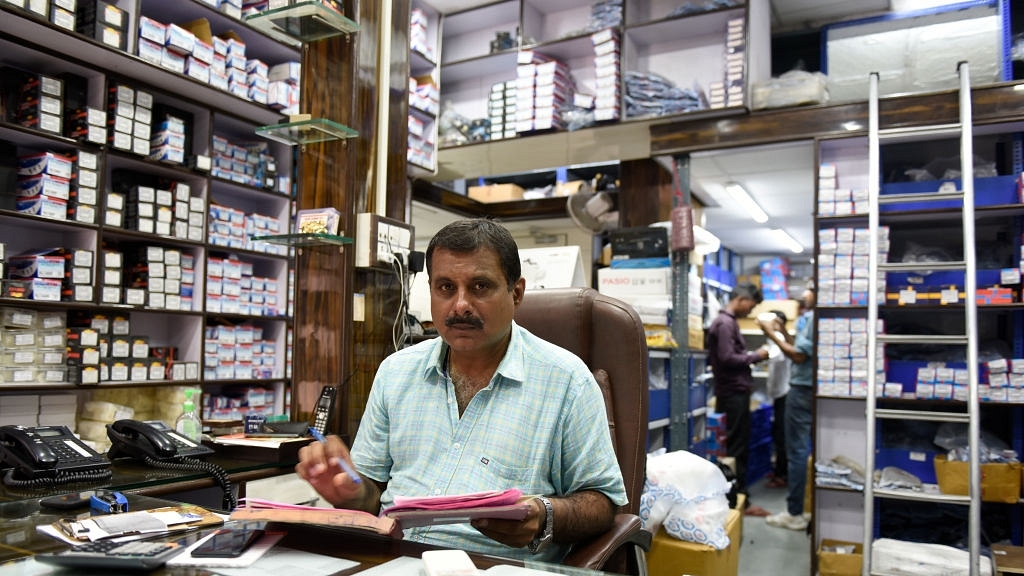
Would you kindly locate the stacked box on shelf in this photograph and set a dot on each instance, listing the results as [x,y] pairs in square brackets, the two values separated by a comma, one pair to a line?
[236,405]
[843,357]
[155,279]
[774,272]
[607,76]
[283,89]
[40,99]
[543,87]
[104,348]
[168,141]
[501,107]
[257,80]
[102,21]
[62,14]
[37,275]
[418,41]
[111,275]
[735,69]
[57,410]
[129,119]
[843,259]
[81,121]
[249,164]
[239,353]
[261,225]
[232,8]
[44,185]
[84,195]
[232,288]
[31,346]
[836,201]
[19,410]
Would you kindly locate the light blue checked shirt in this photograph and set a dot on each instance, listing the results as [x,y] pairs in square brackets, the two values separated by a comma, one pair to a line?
[539,426]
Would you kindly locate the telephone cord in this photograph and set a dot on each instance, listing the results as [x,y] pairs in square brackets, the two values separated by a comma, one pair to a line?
[62,477]
[229,502]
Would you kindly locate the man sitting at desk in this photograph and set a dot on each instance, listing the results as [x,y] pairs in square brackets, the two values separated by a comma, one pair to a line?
[487,406]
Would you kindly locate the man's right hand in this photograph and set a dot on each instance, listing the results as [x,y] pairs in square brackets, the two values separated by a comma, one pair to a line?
[762,353]
[318,465]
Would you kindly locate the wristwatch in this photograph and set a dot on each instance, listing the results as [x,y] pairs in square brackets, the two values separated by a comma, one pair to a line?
[541,541]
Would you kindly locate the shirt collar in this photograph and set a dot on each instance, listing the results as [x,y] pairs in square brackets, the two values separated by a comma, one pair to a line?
[512,365]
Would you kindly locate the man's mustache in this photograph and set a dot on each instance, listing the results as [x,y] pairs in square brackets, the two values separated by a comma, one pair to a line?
[471,321]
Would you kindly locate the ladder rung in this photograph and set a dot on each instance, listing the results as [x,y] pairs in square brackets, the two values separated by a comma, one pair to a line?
[922,415]
[913,266]
[923,339]
[920,133]
[919,197]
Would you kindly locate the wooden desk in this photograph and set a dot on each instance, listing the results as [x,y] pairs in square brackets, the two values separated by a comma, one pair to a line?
[20,540]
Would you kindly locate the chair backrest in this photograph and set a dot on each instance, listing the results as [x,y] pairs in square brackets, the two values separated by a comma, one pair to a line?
[606,334]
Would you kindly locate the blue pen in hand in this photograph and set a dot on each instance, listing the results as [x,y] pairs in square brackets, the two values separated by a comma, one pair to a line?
[340,461]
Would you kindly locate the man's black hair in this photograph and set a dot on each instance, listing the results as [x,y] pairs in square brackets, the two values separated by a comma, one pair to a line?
[747,290]
[464,236]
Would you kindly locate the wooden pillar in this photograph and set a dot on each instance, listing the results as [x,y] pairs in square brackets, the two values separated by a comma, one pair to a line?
[340,83]
[645,193]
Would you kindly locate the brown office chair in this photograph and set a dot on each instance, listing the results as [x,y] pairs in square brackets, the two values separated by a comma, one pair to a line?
[608,336]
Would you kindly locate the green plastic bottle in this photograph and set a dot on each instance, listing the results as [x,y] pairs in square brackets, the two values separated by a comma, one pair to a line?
[188,424]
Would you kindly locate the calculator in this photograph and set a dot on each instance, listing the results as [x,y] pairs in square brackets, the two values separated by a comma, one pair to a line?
[135,555]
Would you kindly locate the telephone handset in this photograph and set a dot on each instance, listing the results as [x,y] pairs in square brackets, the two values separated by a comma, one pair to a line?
[322,413]
[48,453]
[160,446]
[150,439]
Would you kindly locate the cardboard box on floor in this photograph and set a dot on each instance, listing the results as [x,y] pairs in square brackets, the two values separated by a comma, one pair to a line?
[670,556]
[832,562]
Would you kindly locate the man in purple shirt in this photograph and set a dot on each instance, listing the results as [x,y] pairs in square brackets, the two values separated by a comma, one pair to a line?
[730,363]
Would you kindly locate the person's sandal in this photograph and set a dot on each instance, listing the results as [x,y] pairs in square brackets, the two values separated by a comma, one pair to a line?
[756,511]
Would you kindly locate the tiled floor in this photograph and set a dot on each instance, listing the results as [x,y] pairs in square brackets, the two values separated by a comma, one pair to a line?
[770,551]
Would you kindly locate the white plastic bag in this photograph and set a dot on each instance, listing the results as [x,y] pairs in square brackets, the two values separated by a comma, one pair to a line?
[687,495]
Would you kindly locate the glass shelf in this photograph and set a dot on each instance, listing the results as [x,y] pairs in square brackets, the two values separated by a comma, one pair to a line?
[307,131]
[300,240]
[302,22]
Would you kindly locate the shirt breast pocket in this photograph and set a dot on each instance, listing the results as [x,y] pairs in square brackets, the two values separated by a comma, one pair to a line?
[504,475]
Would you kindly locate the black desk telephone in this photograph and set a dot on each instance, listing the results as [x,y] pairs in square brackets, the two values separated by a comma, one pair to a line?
[160,446]
[47,455]
[150,439]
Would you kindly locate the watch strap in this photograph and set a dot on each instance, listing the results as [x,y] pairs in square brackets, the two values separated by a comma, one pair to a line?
[540,541]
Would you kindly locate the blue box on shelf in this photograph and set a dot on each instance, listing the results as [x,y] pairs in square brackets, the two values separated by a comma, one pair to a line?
[697,397]
[991,191]
[920,463]
[658,405]
[938,279]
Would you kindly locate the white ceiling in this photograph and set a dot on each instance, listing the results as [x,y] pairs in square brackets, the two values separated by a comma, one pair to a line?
[780,177]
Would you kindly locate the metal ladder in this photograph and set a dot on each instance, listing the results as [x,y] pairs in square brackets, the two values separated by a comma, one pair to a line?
[968,340]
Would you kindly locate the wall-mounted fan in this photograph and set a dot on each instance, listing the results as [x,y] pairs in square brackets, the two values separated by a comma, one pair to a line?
[592,211]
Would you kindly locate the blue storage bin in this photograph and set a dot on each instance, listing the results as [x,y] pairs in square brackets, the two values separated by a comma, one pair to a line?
[759,462]
[920,463]
[658,405]
[697,397]
[992,191]
[939,279]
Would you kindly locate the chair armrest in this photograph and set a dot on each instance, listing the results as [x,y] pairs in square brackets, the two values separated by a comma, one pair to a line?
[594,553]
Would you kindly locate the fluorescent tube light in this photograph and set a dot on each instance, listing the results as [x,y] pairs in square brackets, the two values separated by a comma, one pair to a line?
[740,196]
[790,242]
